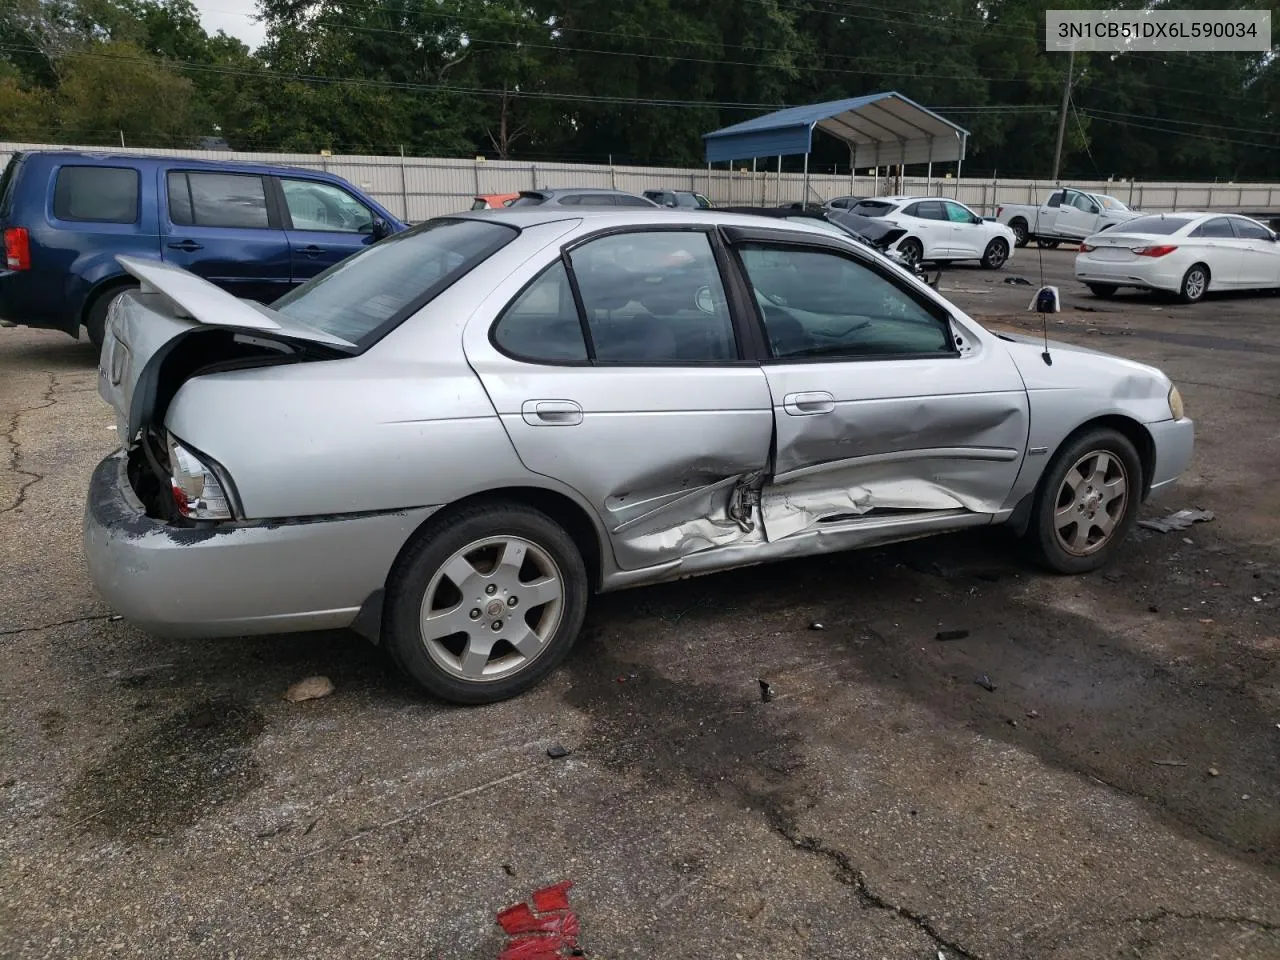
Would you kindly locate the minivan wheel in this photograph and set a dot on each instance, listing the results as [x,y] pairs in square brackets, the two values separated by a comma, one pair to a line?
[1087,502]
[485,603]
[95,318]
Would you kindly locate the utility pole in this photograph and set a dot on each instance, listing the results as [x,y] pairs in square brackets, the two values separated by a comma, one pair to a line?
[1062,116]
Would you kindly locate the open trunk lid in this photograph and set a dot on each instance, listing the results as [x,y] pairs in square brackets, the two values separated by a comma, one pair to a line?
[179,325]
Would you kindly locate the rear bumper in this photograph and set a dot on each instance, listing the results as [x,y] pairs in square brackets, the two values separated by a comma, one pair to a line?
[263,577]
[1127,273]
[24,300]
[1174,444]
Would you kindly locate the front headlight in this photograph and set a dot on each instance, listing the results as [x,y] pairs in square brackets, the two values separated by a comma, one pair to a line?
[1175,403]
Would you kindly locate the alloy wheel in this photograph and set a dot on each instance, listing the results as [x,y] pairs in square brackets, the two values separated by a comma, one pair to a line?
[1091,502]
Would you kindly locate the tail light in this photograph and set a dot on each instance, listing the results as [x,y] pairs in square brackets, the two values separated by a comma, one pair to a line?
[1157,251]
[17,249]
[1087,248]
[197,492]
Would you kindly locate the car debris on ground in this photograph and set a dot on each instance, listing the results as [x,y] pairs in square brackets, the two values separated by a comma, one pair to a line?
[1177,521]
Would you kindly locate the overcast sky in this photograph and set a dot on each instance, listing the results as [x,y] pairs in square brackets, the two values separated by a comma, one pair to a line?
[233,16]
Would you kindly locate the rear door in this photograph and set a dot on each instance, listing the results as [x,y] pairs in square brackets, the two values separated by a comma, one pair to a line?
[617,370]
[226,227]
[881,412]
[931,225]
[1047,216]
[1260,254]
[324,223]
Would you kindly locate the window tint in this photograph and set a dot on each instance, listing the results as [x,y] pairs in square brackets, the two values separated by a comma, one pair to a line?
[819,304]
[702,201]
[1217,227]
[931,210]
[1161,226]
[528,200]
[957,213]
[654,297]
[591,199]
[873,208]
[623,200]
[1055,200]
[1248,230]
[542,323]
[687,200]
[381,284]
[217,200]
[478,204]
[322,206]
[1081,202]
[97,194]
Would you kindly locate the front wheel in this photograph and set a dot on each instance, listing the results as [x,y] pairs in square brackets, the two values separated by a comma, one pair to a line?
[1195,283]
[996,254]
[486,603]
[1087,502]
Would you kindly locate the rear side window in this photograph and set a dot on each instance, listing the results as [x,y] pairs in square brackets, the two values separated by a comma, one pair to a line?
[1055,200]
[1160,226]
[478,204]
[623,200]
[542,323]
[217,200]
[374,290]
[96,194]
[1217,227]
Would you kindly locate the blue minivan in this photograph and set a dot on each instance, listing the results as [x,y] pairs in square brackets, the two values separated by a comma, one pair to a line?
[256,231]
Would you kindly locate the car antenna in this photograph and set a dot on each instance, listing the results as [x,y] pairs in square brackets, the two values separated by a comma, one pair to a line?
[1041,305]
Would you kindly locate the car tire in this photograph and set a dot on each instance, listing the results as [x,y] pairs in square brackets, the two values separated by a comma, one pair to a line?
[1195,283]
[1103,290]
[1080,515]
[509,578]
[1048,244]
[1020,232]
[911,250]
[997,252]
[95,318]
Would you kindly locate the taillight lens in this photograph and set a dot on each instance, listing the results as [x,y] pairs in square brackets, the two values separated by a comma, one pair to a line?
[1087,248]
[1158,251]
[17,249]
[197,492]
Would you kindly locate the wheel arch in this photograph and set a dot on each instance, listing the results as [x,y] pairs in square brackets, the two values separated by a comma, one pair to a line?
[101,289]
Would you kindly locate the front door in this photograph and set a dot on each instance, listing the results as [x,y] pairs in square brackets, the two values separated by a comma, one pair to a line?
[627,383]
[968,235]
[324,224]
[882,413]
[223,227]
[1077,217]
[1259,255]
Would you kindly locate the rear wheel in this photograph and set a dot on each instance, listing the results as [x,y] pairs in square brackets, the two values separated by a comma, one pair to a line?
[996,254]
[1087,501]
[486,603]
[1195,283]
[911,251]
[95,318]
[1020,233]
[1048,244]
[1104,290]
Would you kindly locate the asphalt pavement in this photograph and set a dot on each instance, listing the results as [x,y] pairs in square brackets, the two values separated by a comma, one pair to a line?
[1111,790]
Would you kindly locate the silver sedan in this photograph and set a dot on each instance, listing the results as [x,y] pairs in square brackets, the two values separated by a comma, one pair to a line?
[451,440]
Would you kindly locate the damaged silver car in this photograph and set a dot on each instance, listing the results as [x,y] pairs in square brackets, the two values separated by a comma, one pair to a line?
[449,441]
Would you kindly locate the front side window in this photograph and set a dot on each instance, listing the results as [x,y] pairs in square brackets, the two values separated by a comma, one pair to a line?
[703,202]
[218,200]
[654,297]
[957,213]
[96,194]
[1055,200]
[322,206]
[381,285]
[818,303]
[1217,227]
[1083,203]
[1248,230]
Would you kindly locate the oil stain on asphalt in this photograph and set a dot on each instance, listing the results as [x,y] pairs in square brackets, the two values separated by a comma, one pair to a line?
[171,774]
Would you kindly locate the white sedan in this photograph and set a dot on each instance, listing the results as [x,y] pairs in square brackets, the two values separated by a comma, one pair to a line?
[1184,253]
[940,229]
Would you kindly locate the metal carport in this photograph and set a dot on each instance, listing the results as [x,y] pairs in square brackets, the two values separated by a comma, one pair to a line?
[880,129]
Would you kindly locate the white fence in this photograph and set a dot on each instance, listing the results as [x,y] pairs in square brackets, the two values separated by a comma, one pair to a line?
[417,188]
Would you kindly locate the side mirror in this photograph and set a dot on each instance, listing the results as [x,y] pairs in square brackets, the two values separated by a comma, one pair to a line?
[976,219]
[380,229]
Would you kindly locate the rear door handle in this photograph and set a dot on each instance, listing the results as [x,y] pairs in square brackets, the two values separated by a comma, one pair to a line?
[187,246]
[808,404]
[551,413]
[311,250]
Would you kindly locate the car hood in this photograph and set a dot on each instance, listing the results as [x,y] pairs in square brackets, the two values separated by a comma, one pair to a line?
[1081,368]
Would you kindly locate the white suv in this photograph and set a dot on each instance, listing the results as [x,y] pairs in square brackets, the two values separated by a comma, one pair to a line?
[940,229]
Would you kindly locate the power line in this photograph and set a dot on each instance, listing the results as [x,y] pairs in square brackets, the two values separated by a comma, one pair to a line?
[1180,133]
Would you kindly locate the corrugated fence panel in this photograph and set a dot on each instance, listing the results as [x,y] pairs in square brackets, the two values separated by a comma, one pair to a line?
[417,188]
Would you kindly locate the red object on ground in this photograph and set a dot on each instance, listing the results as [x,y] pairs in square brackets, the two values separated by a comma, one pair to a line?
[547,931]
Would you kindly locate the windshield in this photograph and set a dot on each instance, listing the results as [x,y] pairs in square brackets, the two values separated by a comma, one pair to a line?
[377,288]
[1161,226]
[1110,203]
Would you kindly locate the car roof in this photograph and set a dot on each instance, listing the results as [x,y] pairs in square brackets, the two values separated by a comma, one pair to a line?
[552,191]
[187,163]
[606,217]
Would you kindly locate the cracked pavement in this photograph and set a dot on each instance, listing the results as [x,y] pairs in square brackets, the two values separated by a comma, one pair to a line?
[158,798]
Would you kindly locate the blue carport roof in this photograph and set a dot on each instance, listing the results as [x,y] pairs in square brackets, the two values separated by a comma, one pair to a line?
[880,128]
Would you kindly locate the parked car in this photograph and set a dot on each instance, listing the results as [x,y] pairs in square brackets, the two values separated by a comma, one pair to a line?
[941,230]
[580,197]
[679,198]
[1067,216]
[493,201]
[843,203]
[257,231]
[1189,254]
[620,398]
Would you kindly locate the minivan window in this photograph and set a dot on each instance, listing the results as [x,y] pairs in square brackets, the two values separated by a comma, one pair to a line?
[217,200]
[8,180]
[375,289]
[96,194]
[322,206]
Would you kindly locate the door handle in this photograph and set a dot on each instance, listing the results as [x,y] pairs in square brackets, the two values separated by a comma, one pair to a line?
[808,404]
[186,246]
[312,251]
[551,413]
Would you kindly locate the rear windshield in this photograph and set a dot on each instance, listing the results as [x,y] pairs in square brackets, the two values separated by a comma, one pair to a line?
[371,292]
[871,208]
[1162,226]
[7,181]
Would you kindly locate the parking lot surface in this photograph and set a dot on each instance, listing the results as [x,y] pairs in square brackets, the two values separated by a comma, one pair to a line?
[1115,793]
